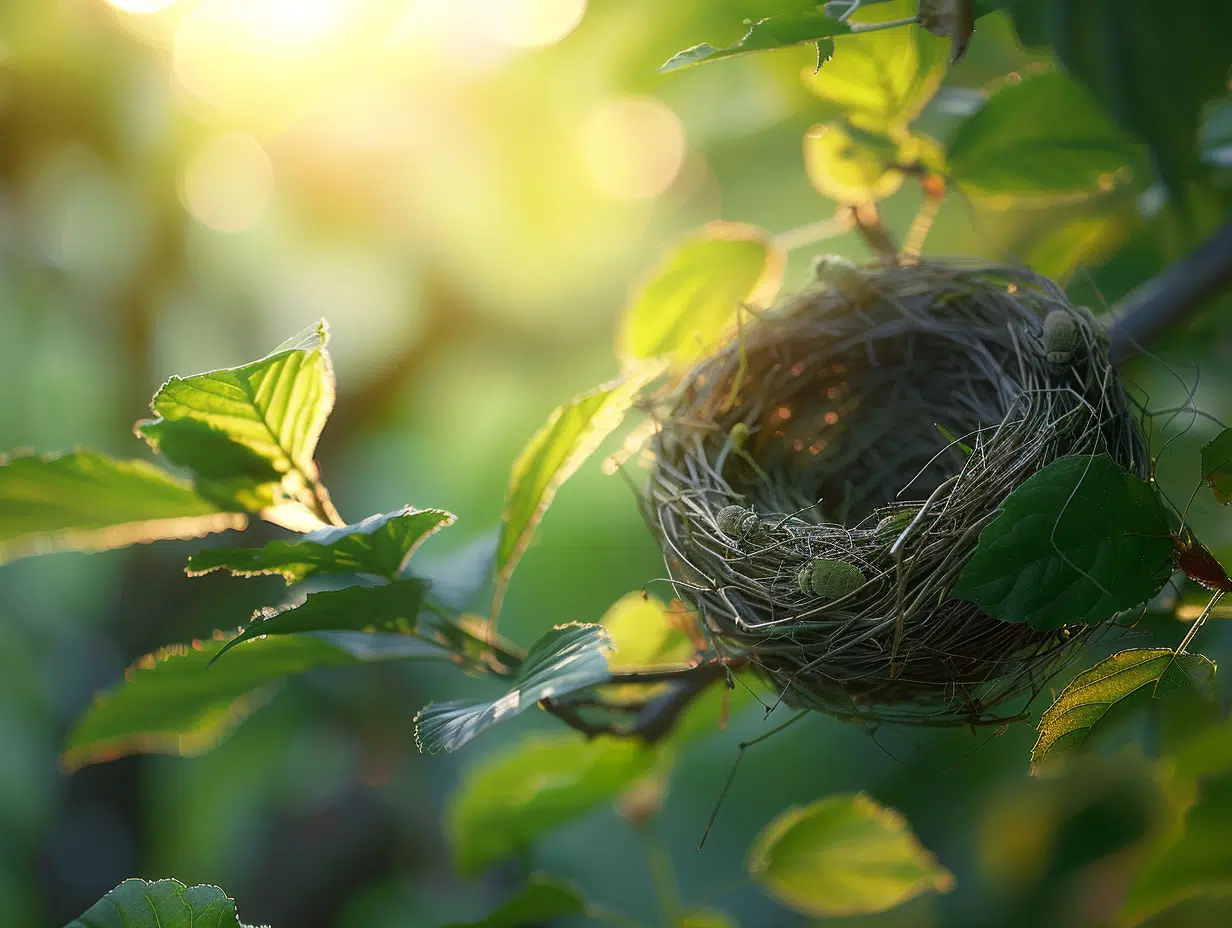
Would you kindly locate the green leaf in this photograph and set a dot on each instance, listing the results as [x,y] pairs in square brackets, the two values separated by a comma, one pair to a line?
[844,166]
[780,31]
[1080,241]
[1195,861]
[390,607]
[1150,66]
[688,303]
[553,454]
[86,501]
[843,855]
[706,918]
[172,702]
[1103,695]
[642,634]
[162,904]
[379,545]
[1040,141]
[249,433]
[542,900]
[880,81]
[1079,541]
[567,658]
[511,797]
[1217,466]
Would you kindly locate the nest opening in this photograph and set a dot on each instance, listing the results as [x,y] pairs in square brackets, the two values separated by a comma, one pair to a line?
[878,420]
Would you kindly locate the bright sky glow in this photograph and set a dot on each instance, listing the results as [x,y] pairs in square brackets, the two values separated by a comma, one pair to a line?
[632,147]
[528,23]
[140,6]
[228,183]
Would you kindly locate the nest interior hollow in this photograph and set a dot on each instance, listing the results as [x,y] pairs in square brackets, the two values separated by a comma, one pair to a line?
[878,420]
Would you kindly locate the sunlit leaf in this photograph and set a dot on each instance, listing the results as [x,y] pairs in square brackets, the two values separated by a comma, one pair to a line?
[249,433]
[1038,141]
[390,607]
[850,167]
[86,501]
[1102,696]
[1217,466]
[688,303]
[379,545]
[173,702]
[879,81]
[553,454]
[844,855]
[540,902]
[567,658]
[642,633]
[1080,241]
[511,797]
[780,31]
[1077,542]
[161,904]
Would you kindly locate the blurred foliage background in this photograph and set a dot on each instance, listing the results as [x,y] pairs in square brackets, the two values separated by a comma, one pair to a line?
[465,189]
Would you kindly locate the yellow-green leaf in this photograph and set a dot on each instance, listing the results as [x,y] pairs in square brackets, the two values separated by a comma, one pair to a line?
[249,433]
[556,451]
[86,501]
[688,303]
[851,166]
[511,797]
[1102,695]
[844,855]
[782,31]
[881,80]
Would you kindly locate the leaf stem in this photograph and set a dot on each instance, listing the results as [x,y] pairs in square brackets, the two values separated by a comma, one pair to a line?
[858,28]
[814,232]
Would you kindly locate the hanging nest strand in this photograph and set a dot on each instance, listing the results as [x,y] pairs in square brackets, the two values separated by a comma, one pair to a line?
[820,482]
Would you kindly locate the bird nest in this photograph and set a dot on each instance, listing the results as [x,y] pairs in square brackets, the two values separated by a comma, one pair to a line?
[820,482]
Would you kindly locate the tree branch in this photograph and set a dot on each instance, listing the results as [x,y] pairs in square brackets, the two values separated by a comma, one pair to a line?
[1173,295]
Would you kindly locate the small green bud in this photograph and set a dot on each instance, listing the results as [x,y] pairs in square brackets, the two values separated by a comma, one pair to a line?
[892,525]
[739,435]
[843,274]
[731,520]
[804,579]
[832,578]
[1061,333]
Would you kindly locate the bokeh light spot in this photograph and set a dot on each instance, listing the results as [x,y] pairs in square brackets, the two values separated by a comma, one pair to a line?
[228,183]
[633,147]
[529,23]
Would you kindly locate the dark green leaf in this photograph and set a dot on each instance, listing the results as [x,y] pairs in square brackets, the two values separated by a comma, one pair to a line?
[250,432]
[510,798]
[571,435]
[846,168]
[1040,141]
[379,545]
[541,901]
[86,501]
[1150,66]
[879,81]
[162,904]
[773,32]
[567,658]
[688,303]
[1217,466]
[844,855]
[1194,861]
[1105,694]
[172,702]
[391,607]
[1080,540]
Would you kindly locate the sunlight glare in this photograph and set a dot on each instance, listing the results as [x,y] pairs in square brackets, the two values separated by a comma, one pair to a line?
[140,7]
[228,183]
[529,23]
[633,147]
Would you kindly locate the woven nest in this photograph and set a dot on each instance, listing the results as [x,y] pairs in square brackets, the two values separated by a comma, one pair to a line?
[820,482]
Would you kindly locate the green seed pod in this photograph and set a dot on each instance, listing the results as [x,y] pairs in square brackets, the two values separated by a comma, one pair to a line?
[1061,333]
[892,525]
[729,520]
[834,579]
[739,435]
[841,273]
